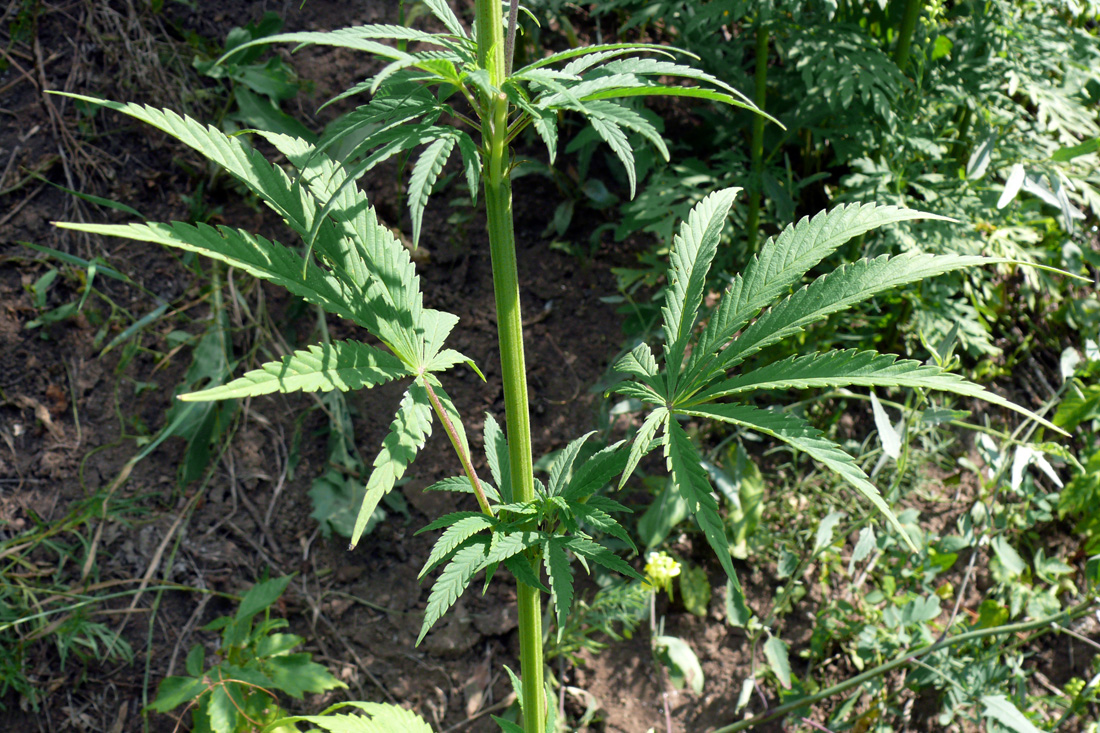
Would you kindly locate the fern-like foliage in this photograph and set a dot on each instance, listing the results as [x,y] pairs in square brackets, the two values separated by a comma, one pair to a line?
[755,311]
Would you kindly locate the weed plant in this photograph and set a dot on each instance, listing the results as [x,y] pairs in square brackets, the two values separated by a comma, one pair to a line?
[458,90]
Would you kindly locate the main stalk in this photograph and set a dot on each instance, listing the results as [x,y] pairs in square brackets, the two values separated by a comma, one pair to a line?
[502,246]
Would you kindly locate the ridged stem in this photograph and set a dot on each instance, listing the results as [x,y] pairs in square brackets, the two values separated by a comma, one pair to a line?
[502,247]
[757,143]
[910,16]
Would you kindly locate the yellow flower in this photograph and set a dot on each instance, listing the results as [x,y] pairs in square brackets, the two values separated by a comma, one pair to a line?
[660,569]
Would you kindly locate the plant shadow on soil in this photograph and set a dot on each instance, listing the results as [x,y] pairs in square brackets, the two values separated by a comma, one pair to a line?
[70,414]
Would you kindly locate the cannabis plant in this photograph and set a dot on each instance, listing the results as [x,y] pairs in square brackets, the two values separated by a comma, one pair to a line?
[355,268]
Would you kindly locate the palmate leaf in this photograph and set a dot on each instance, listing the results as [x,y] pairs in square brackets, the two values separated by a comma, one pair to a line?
[342,365]
[642,442]
[801,435]
[625,117]
[693,249]
[410,428]
[781,263]
[596,472]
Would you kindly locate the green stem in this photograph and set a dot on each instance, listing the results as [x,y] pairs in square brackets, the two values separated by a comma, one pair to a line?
[757,144]
[502,246]
[911,14]
[909,657]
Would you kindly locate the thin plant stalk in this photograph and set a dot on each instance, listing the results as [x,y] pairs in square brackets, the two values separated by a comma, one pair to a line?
[757,143]
[502,246]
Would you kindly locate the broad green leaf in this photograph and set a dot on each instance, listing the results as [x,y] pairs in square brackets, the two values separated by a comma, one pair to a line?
[1001,709]
[825,530]
[174,691]
[561,581]
[800,435]
[695,589]
[424,175]
[342,365]
[690,478]
[693,249]
[683,665]
[296,674]
[260,596]
[781,263]
[411,427]
[775,651]
[457,533]
[222,710]
[452,582]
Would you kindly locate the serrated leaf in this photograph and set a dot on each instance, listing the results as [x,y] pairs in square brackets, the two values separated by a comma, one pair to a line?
[496,451]
[462,485]
[638,362]
[424,175]
[342,365]
[631,120]
[690,478]
[459,531]
[596,472]
[602,521]
[561,581]
[452,582]
[442,11]
[598,51]
[641,445]
[379,718]
[601,555]
[800,435]
[520,567]
[260,596]
[616,139]
[693,249]
[297,674]
[562,468]
[410,428]
[174,691]
[775,651]
[781,263]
